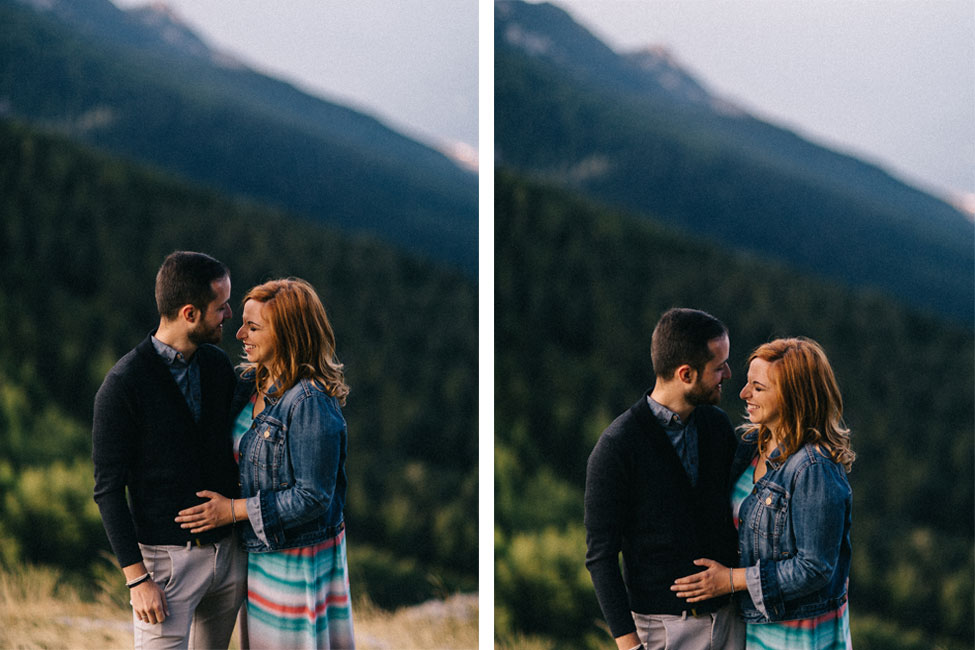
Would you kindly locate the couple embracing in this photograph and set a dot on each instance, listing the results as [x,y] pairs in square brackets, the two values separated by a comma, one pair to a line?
[218,486]
[669,482]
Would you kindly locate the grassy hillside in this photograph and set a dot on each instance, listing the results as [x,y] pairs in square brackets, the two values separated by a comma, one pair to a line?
[80,241]
[39,611]
[579,288]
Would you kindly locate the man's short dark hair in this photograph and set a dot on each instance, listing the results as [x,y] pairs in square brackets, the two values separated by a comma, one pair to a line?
[185,278]
[682,336]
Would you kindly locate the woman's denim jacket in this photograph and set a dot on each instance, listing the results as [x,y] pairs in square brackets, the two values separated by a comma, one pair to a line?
[794,536]
[292,470]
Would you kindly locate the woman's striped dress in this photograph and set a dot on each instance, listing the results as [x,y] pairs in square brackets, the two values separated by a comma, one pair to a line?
[831,631]
[296,598]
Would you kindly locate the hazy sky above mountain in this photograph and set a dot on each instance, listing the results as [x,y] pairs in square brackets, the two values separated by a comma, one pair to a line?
[411,63]
[891,81]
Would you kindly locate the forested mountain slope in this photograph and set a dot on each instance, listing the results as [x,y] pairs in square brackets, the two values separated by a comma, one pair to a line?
[120,81]
[579,288]
[639,132]
[81,238]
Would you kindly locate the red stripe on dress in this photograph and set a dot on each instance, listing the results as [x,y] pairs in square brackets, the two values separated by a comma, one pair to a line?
[309,551]
[294,612]
[812,623]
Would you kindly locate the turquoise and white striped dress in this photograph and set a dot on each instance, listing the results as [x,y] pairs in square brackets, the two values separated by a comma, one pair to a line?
[296,598]
[830,631]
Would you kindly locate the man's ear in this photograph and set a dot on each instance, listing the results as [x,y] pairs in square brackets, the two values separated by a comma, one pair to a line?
[686,374]
[189,313]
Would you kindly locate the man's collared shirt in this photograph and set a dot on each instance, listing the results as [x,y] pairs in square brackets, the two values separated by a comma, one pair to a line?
[186,373]
[683,435]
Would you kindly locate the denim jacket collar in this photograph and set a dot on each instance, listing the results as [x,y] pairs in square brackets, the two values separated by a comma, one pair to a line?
[248,377]
[751,438]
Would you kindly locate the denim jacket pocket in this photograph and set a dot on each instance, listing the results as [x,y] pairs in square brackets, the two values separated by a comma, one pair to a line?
[268,452]
[771,515]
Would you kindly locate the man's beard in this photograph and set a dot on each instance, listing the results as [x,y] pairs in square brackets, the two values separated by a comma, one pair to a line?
[699,396]
[203,334]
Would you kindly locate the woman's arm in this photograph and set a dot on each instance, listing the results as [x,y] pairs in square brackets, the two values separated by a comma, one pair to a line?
[316,435]
[818,513]
[716,580]
[216,512]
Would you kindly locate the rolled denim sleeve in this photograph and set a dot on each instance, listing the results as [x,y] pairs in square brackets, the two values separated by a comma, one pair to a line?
[753,580]
[316,435]
[256,519]
[818,513]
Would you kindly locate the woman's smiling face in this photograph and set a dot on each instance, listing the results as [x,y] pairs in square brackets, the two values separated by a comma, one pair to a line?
[255,334]
[761,396]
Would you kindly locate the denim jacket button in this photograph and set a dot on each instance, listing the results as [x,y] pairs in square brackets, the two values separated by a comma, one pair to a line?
[267,434]
[768,501]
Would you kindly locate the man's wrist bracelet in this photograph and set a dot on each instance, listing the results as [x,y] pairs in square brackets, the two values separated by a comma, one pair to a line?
[137,581]
[731,579]
[233,514]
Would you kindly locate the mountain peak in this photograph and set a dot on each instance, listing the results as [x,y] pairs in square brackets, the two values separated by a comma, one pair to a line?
[163,8]
[170,26]
[671,74]
[547,32]
[153,26]
[660,62]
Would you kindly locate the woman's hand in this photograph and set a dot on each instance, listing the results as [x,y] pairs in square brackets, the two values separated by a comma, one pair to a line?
[206,516]
[710,583]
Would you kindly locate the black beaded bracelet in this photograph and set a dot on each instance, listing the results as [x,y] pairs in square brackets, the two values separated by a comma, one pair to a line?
[138,581]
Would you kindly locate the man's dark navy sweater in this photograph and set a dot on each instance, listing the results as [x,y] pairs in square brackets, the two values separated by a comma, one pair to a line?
[144,438]
[639,501]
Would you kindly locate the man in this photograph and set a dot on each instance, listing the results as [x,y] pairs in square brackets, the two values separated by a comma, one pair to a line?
[162,429]
[657,490]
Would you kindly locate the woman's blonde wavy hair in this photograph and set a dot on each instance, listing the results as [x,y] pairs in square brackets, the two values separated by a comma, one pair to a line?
[302,340]
[810,405]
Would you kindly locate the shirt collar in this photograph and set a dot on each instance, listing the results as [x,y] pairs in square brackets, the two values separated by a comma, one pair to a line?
[169,354]
[667,418]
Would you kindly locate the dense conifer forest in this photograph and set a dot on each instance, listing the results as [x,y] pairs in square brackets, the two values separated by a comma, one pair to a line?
[81,238]
[579,288]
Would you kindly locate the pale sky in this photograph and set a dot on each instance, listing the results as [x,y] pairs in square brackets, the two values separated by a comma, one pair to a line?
[410,63]
[890,81]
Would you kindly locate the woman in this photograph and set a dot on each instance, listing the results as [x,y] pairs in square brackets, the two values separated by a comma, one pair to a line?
[290,439]
[791,504]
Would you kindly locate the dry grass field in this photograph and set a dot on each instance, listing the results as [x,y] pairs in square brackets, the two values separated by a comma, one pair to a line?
[37,612]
